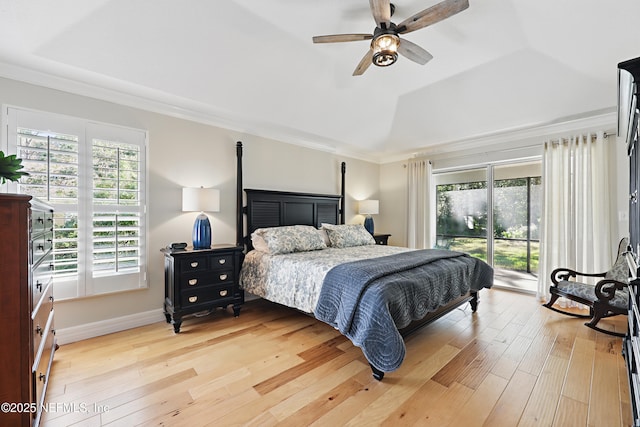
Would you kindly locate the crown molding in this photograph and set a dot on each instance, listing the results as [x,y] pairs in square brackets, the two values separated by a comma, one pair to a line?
[598,120]
[93,85]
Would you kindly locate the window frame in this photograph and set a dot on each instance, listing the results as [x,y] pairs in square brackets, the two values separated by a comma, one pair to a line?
[86,283]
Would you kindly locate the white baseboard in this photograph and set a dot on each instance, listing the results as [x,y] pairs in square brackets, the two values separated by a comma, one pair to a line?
[109,326]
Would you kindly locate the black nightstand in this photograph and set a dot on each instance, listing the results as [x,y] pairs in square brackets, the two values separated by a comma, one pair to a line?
[201,279]
[381,239]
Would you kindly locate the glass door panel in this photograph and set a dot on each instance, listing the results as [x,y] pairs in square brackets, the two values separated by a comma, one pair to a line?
[516,216]
[462,211]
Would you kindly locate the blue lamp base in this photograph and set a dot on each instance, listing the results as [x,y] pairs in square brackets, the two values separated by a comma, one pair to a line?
[202,232]
[368,224]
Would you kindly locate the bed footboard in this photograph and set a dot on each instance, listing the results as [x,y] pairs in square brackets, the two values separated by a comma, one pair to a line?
[471,297]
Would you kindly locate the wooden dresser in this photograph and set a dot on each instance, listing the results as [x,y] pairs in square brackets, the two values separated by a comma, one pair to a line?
[27,336]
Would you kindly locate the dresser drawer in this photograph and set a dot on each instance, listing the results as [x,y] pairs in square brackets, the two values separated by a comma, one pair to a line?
[192,297]
[41,245]
[40,316]
[41,220]
[42,276]
[42,366]
[205,278]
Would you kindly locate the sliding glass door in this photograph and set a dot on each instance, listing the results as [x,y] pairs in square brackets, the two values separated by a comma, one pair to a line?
[462,211]
[516,217]
[493,213]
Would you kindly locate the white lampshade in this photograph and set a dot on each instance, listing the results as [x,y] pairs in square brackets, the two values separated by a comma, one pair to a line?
[200,200]
[368,207]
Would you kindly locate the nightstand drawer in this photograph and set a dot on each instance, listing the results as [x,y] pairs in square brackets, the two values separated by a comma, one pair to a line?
[192,297]
[196,263]
[205,278]
[221,261]
[381,239]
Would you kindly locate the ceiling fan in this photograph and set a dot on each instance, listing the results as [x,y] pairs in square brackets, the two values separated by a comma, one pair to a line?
[385,40]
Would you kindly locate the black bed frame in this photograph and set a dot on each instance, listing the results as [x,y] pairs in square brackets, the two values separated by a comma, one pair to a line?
[267,208]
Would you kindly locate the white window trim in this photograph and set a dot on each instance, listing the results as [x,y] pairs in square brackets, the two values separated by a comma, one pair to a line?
[85,130]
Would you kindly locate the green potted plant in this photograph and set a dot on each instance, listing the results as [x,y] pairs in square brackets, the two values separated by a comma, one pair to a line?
[10,168]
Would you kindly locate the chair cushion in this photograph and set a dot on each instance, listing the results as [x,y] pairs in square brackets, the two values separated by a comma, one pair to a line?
[588,292]
[619,271]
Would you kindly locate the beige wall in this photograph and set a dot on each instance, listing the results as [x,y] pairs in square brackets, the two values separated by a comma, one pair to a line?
[184,153]
[393,183]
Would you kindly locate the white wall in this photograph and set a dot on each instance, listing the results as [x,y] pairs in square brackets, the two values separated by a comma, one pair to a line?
[184,153]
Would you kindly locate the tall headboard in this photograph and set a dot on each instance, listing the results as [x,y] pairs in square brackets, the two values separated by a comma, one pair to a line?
[268,208]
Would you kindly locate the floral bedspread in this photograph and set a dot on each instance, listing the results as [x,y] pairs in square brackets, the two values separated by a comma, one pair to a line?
[295,279]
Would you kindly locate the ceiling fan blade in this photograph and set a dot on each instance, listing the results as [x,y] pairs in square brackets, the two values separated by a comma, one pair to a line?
[414,52]
[364,63]
[381,10]
[337,38]
[432,15]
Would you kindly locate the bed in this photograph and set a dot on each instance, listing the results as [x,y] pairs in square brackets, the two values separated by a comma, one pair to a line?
[301,254]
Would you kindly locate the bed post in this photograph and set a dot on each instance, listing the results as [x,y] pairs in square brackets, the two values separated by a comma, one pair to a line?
[475,300]
[239,221]
[343,170]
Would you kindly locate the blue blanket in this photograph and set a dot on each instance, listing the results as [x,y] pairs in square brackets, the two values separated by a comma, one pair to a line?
[369,300]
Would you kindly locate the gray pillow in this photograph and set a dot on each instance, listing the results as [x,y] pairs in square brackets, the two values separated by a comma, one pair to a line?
[287,239]
[347,235]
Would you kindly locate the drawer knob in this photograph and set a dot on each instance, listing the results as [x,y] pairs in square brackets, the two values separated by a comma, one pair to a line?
[193,299]
[39,286]
[223,293]
[50,266]
[193,281]
[194,264]
[40,220]
[41,247]
[42,377]
[222,261]
[39,330]
[224,276]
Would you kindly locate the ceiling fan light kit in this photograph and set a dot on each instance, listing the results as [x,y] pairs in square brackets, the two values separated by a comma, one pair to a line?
[385,49]
[385,40]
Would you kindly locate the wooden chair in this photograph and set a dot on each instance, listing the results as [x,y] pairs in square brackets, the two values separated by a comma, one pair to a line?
[608,297]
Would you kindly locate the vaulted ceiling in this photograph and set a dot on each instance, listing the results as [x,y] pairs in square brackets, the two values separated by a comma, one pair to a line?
[250,65]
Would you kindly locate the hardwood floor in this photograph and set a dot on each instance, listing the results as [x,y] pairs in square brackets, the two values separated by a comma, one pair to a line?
[513,363]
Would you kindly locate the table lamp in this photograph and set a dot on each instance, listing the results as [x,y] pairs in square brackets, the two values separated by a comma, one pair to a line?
[201,200]
[368,208]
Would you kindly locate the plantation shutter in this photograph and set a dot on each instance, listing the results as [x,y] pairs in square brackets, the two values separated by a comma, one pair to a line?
[117,213]
[94,177]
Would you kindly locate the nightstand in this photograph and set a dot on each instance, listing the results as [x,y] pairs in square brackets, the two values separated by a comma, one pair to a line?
[200,280]
[381,239]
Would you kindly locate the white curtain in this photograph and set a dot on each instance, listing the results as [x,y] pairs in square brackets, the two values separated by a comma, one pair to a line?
[575,226]
[420,222]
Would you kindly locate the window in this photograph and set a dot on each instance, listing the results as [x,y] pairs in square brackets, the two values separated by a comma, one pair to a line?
[94,176]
